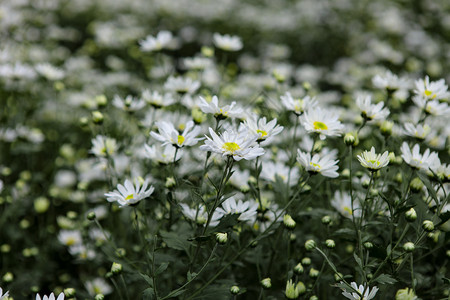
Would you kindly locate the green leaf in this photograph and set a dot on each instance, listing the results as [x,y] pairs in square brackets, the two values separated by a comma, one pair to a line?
[227,222]
[148,279]
[191,276]
[161,268]
[385,279]
[175,240]
[148,294]
[358,260]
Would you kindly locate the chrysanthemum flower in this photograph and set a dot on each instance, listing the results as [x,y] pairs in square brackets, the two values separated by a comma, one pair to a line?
[70,237]
[50,297]
[325,165]
[162,154]
[227,42]
[220,113]
[181,85]
[371,111]
[433,90]
[237,145]
[49,71]
[298,105]
[389,81]
[265,130]
[103,146]
[169,135]
[247,210]
[130,193]
[161,41]
[416,160]
[129,104]
[98,286]
[418,131]
[323,122]
[342,202]
[200,215]
[368,294]
[432,107]
[156,99]
[373,161]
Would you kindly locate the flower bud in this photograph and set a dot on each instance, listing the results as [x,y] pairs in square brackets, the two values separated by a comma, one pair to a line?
[409,247]
[428,225]
[99,297]
[386,128]
[207,51]
[91,216]
[8,277]
[350,139]
[288,222]
[41,205]
[326,220]
[120,252]
[266,283]
[411,215]
[301,288]
[170,182]
[330,244]
[306,261]
[338,276]
[97,117]
[416,185]
[234,290]
[101,100]
[313,273]
[313,297]
[405,294]
[298,269]
[221,238]
[368,245]
[69,292]
[310,245]
[291,291]
[116,268]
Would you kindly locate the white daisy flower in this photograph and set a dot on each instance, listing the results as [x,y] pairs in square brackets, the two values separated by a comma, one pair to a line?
[227,42]
[129,104]
[181,85]
[260,127]
[325,165]
[229,143]
[271,170]
[161,41]
[323,122]
[98,286]
[82,252]
[49,71]
[156,99]
[343,204]
[246,210]
[130,193]
[196,63]
[298,105]
[50,297]
[103,146]
[169,135]
[373,161]
[417,131]
[433,90]
[3,296]
[432,107]
[162,154]
[416,160]
[389,81]
[70,237]
[371,111]
[200,216]
[220,113]
[368,293]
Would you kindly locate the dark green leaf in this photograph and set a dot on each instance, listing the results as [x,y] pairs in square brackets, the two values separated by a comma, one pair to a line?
[175,240]
[161,268]
[148,294]
[385,279]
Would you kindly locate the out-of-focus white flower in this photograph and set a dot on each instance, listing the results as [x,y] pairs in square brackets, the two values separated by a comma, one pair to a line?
[343,204]
[416,160]
[270,170]
[98,286]
[181,85]
[323,122]
[70,237]
[298,105]
[220,113]
[82,252]
[237,145]
[130,103]
[3,296]
[162,154]
[227,42]
[368,293]
[417,131]
[50,297]
[389,81]
[325,165]
[161,41]
[156,99]
[1,185]
[169,135]
[196,63]
[371,111]
[434,90]
[246,210]
[260,127]
[432,107]
[373,161]
[103,146]
[49,71]
[129,193]
[199,215]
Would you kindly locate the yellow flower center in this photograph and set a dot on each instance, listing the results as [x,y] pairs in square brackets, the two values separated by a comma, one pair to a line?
[320,125]
[180,140]
[262,132]
[231,146]
[429,93]
[129,197]
[71,241]
[348,209]
[373,161]
[317,166]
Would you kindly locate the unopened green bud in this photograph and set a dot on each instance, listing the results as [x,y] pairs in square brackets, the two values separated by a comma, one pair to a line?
[120,252]
[405,294]
[101,100]
[310,245]
[447,253]
[298,269]
[70,292]
[411,215]
[41,205]
[428,225]
[291,291]
[221,238]
[306,261]
[409,247]
[326,220]
[266,283]
[416,185]
[292,237]
[365,183]
[198,116]
[301,288]
[116,268]
[207,51]
[234,290]
[391,157]
[386,128]
[338,276]
[330,244]
[8,277]
[350,139]
[313,273]
[368,245]
[170,182]
[288,222]
[5,248]
[97,117]
[398,178]
[99,297]
[345,173]
[83,121]
[91,216]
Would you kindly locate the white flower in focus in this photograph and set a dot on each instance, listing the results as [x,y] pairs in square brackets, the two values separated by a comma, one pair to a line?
[264,130]
[434,90]
[49,71]
[368,294]
[130,103]
[98,286]
[389,81]
[298,105]
[70,237]
[325,165]
[3,296]
[246,210]
[432,107]
[229,143]
[373,161]
[199,215]
[156,99]
[181,85]
[169,135]
[162,155]
[227,42]
[161,41]
[51,297]
[129,193]
[323,122]
[419,131]
[371,111]
[416,160]
[103,146]
[343,204]
[220,113]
